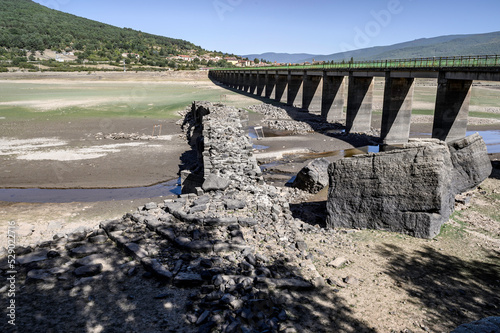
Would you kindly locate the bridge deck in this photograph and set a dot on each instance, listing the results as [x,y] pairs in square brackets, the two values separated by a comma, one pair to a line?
[465,67]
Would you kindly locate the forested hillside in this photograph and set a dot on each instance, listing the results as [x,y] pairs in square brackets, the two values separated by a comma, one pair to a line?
[26,27]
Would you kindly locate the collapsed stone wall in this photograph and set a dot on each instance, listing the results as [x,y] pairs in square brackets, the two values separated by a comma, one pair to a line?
[409,190]
[238,246]
[225,152]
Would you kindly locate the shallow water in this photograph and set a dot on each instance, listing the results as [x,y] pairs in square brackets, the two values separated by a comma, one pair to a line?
[89,195]
[491,138]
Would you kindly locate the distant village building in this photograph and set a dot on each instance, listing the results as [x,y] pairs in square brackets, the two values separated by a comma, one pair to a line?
[184,57]
[231,60]
[131,55]
[243,63]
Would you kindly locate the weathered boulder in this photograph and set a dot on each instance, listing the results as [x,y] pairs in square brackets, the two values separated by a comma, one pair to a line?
[471,164]
[215,183]
[409,190]
[485,325]
[313,177]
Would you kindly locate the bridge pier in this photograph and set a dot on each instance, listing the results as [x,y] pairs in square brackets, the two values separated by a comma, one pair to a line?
[261,84]
[311,91]
[252,82]
[281,85]
[452,108]
[359,103]
[235,82]
[294,85]
[240,79]
[246,82]
[397,107]
[229,80]
[332,97]
[270,85]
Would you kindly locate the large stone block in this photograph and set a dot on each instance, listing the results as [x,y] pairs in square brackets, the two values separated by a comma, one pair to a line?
[471,164]
[407,190]
[313,177]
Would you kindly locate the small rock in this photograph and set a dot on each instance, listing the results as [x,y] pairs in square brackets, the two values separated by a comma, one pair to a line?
[351,280]
[32,257]
[202,317]
[88,270]
[338,262]
[99,239]
[77,236]
[215,183]
[39,275]
[92,259]
[53,254]
[206,263]
[301,245]
[164,295]
[150,205]
[184,280]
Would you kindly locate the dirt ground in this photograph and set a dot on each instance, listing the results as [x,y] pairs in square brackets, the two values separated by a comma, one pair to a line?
[388,283]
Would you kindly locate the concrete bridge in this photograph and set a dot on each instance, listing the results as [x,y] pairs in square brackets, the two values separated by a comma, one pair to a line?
[322,89]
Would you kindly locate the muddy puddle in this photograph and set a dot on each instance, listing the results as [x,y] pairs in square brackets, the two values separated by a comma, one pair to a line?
[37,195]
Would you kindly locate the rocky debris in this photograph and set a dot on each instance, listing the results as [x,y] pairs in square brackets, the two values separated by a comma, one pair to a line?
[270,111]
[236,245]
[285,118]
[227,255]
[125,136]
[295,127]
[313,177]
[485,325]
[409,190]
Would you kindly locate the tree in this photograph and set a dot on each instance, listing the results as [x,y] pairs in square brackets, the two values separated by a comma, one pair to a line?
[18,61]
[256,61]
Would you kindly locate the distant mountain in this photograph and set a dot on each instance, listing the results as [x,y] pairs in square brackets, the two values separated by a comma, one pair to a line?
[450,45]
[280,57]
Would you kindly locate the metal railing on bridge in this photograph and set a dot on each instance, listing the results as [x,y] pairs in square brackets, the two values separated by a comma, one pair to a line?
[416,63]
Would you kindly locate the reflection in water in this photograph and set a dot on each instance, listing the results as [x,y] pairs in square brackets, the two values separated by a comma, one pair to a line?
[89,195]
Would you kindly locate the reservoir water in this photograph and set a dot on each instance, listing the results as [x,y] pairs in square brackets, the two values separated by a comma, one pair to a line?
[37,195]
[88,195]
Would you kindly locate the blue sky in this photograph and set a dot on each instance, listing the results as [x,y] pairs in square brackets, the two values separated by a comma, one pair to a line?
[315,26]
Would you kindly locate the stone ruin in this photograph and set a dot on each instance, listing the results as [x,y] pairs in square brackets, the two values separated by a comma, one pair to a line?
[234,241]
[224,151]
[410,190]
